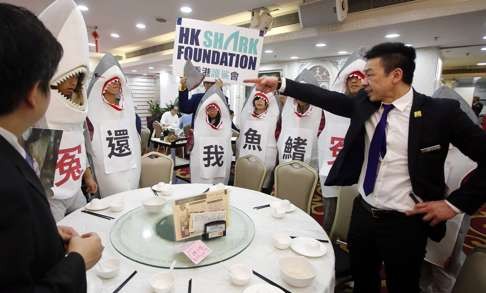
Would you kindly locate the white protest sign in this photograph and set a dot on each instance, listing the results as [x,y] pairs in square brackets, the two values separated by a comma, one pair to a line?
[230,53]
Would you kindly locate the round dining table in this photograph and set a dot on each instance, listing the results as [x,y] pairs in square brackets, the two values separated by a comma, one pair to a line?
[260,255]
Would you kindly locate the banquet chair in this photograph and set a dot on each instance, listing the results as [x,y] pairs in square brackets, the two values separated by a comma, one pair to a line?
[156,167]
[250,172]
[339,234]
[144,139]
[472,277]
[296,182]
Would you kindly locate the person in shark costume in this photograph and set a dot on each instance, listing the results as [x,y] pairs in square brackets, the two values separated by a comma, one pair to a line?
[115,142]
[68,107]
[300,127]
[331,139]
[211,155]
[444,259]
[258,122]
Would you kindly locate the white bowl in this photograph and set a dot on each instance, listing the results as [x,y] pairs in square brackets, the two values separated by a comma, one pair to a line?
[107,269]
[163,188]
[281,240]
[154,205]
[240,274]
[297,271]
[117,206]
[162,282]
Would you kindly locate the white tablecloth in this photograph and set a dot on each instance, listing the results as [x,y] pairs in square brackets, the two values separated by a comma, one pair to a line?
[260,255]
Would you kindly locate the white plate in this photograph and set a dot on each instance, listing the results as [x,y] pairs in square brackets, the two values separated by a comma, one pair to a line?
[101,205]
[299,246]
[166,190]
[262,288]
[94,284]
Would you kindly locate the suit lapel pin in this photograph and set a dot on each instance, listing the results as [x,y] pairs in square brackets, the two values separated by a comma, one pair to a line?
[417,114]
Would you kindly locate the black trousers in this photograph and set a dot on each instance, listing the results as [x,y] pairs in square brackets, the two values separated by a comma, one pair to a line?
[396,240]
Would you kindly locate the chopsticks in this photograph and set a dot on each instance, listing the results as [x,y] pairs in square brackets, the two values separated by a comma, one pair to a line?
[125,282]
[262,206]
[320,240]
[189,286]
[270,282]
[97,215]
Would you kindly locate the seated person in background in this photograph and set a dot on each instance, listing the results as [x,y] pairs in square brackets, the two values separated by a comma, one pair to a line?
[170,119]
[35,254]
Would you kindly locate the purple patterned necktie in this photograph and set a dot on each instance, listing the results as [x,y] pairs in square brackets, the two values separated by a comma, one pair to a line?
[377,148]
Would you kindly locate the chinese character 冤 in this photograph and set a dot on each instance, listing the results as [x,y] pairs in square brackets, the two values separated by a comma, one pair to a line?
[69,165]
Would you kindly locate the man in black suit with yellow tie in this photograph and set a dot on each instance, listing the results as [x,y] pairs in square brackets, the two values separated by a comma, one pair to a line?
[35,255]
[395,150]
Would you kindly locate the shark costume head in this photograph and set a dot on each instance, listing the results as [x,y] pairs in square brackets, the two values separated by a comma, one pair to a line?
[115,143]
[212,153]
[300,126]
[68,108]
[352,67]
[257,130]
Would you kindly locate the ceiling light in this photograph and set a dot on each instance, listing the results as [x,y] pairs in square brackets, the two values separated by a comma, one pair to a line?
[483,49]
[115,35]
[186,9]
[343,52]
[320,45]
[294,57]
[484,37]
[134,70]
[392,36]
[83,7]
[481,64]
[141,26]
[269,51]
[145,74]
[408,45]
[92,44]
[151,68]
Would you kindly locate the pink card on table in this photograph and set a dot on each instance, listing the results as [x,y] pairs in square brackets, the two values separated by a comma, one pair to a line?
[196,251]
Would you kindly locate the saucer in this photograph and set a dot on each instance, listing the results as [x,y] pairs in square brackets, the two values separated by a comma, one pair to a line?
[164,189]
[262,288]
[300,246]
[97,205]
[291,208]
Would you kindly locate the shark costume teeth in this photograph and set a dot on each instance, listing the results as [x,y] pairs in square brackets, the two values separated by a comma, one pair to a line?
[66,23]
[115,143]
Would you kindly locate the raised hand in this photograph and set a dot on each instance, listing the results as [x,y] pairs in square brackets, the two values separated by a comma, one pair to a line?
[264,84]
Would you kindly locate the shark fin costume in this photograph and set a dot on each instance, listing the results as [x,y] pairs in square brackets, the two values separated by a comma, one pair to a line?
[68,113]
[331,139]
[115,143]
[212,154]
[257,131]
[298,137]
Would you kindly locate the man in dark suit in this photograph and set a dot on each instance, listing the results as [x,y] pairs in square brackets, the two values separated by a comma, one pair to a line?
[35,255]
[395,150]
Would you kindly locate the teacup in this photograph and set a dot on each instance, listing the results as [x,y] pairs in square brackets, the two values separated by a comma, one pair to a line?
[281,240]
[162,282]
[240,274]
[278,212]
[107,269]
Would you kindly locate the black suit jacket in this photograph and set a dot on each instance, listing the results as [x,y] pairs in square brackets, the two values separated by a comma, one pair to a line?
[32,256]
[432,122]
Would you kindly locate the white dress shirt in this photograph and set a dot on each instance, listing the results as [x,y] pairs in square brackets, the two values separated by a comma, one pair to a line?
[170,120]
[392,185]
[13,140]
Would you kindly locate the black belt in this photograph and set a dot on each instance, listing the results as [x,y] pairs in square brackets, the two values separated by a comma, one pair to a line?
[378,213]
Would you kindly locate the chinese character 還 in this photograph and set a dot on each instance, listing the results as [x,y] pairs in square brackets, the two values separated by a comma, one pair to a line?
[118,143]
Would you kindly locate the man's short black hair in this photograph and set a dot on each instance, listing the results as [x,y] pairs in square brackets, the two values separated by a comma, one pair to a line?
[395,55]
[29,53]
